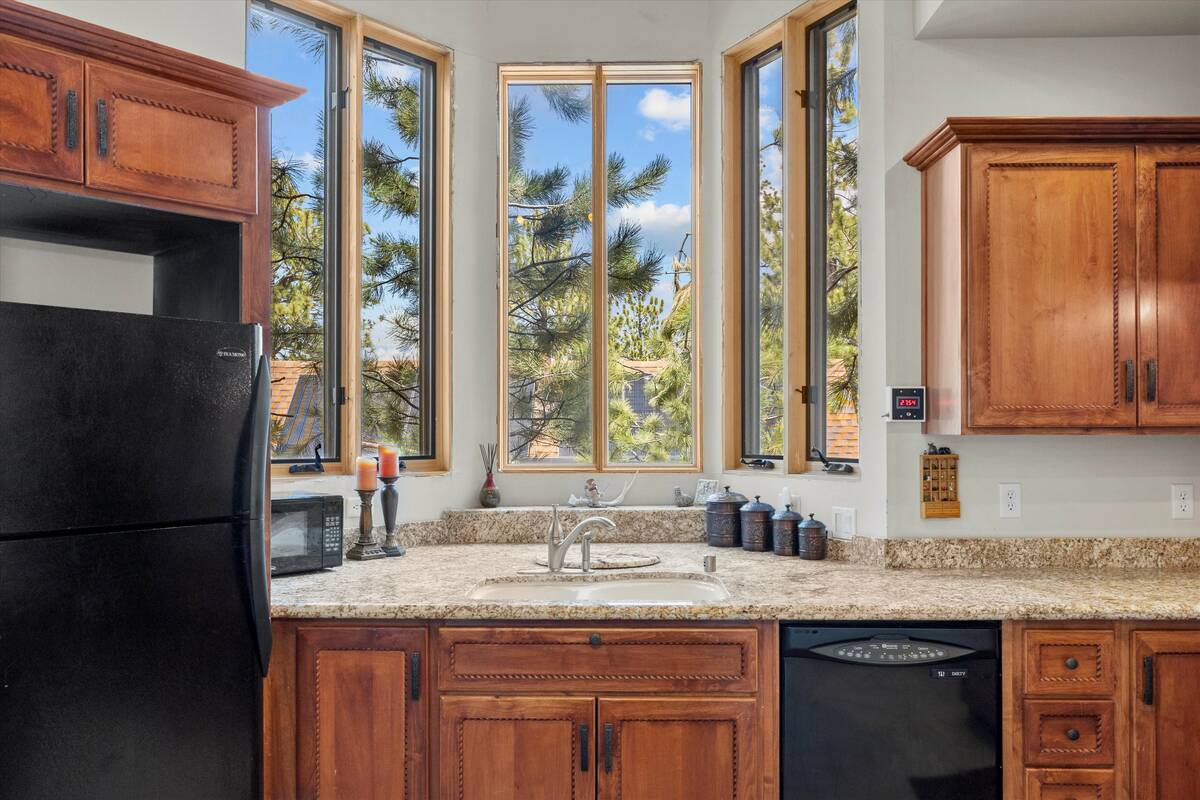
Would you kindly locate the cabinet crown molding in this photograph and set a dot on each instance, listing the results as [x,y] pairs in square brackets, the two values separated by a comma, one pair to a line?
[94,42]
[1047,130]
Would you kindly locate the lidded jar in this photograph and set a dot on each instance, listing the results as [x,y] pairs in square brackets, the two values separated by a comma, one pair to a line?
[812,539]
[785,526]
[756,525]
[721,522]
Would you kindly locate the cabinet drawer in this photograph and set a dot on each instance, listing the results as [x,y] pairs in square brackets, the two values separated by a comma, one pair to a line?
[1070,784]
[1075,663]
[598,659]
[1069,734]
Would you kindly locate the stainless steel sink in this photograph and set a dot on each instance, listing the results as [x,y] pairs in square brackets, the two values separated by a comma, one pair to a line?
[660,588]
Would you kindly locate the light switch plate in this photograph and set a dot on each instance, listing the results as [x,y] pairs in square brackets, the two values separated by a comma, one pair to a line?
[845,522]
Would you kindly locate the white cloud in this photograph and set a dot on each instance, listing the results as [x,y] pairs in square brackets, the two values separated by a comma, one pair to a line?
[655,218]
[648,133]
[671,111]
[768,120]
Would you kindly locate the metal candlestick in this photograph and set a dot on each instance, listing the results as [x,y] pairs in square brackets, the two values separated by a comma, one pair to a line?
[365,548]
[390,499]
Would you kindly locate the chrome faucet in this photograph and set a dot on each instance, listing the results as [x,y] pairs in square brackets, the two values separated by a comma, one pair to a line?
[557,545]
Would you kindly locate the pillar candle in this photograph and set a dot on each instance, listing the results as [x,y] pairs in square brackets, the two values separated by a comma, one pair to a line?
[389,462]
[364,470]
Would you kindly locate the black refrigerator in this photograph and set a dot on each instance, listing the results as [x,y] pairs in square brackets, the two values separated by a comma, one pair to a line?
[134,618]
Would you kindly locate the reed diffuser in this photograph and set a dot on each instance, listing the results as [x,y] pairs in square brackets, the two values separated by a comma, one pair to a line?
[489,495]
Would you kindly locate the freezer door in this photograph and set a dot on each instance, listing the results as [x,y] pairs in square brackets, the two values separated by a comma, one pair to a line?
[114,421]
[129,667]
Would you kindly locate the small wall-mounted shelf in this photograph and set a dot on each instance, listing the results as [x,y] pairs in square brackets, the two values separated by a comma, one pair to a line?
[939,486]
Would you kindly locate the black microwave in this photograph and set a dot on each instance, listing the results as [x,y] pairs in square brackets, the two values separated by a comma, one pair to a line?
[306,532]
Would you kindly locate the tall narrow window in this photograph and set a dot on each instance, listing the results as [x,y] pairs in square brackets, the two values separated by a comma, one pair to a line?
[359,237]
[397,250]
[305,175]
[762,256]
[598,362]
[833,240]
[791,243]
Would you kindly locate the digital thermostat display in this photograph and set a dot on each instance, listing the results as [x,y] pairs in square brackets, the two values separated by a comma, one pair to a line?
[907,403]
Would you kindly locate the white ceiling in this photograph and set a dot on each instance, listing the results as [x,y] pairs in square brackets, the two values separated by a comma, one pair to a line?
[1001,19]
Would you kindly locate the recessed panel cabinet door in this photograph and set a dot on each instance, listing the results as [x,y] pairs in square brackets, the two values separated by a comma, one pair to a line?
[517,748]
[41,96]
[677,749]
[1169,283]
[1052,277]
[361,713]
[1166,715]
[159,138]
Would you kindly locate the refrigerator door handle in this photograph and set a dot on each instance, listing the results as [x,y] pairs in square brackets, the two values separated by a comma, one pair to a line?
[255,539]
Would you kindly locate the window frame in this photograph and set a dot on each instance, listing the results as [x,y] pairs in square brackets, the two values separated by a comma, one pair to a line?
[791,34]
[598,75]
[355,30]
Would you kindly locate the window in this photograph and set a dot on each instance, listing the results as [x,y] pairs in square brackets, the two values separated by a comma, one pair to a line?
[359,237]
[598,362]
[791,258]
[305,259]
[833,234]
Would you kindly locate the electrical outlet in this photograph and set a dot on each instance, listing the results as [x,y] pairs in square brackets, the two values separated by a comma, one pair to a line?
[1010,501]
[1183,501]
[845,522]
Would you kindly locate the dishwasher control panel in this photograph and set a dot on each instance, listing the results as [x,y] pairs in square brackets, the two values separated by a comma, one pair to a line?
[888,650]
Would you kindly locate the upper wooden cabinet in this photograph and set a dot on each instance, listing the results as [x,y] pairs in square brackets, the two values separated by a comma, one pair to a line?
[162,139]
[1061,274]
[41,92]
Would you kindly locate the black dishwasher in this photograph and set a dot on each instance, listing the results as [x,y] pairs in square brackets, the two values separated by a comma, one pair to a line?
[890,712]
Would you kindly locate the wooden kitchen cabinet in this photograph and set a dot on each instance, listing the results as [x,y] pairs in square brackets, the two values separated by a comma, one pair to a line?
[361,713]
[680,747]
[1166,715]
[1060,283]
[1169,282]
[163,139]
[41,95]
[517,748]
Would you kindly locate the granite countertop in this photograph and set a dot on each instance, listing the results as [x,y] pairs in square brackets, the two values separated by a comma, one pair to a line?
[432,582]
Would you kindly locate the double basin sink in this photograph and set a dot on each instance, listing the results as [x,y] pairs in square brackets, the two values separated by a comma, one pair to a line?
[662,588]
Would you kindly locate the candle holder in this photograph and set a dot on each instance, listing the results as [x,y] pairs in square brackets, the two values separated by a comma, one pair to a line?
[390,499]
[365,548]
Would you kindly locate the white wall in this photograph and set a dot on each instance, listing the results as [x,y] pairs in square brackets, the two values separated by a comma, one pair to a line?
[1071,485]
[75,277]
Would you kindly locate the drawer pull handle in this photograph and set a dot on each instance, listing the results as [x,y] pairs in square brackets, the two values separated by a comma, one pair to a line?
[72,119]
[583,748]
[594,640]
[1072,663]
[1129,381]
[1073,734]
[101,128]
[1152,381]
[608,746]
[414,663]
[1148,680]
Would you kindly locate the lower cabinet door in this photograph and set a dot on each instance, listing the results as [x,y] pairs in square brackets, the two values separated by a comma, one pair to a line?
[1166,715]
[677,749]
[361,713]
[517,748]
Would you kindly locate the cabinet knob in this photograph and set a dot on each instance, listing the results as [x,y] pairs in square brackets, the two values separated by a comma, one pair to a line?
[1072,734]
[594,640]
[1072,663]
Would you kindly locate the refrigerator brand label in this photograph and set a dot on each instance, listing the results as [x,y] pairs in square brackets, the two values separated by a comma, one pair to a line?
[943,673]
[231,353]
